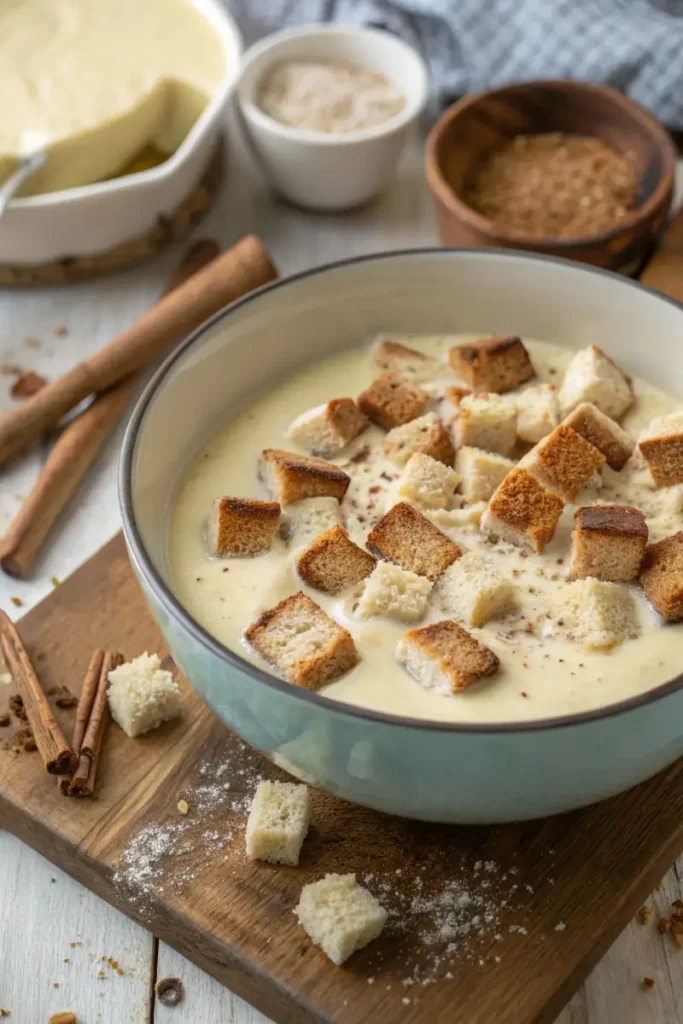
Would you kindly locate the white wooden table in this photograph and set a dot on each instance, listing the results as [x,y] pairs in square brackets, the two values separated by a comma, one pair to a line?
[54,933]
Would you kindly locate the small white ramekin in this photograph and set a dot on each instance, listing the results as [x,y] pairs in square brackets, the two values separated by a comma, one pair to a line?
[317,170]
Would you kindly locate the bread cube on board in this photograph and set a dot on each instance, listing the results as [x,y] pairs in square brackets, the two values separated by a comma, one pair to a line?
[242,526]
[407,362]
[327,429]
[661,444]
[142,695]
[339,915]
[537,412]
[473,591]
[522,512]
[290,477]
[599,615]
[304,520]
[427,483]
[391,400]
[492,364]
[480,472]
[278,821]
[593,377]
[302,642]
[444,657]
[426,435]
[485,421]
[608,542]
[603,433]
[563,462]
[661,576]
[332,562]
[394,593]
[406,537]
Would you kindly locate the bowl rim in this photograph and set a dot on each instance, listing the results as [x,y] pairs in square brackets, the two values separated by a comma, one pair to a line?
[268,47]
[442,191]
[163,593]
[227,31]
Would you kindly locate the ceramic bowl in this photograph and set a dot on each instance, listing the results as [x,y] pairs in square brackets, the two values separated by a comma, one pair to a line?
[94,219]
[316,170]
[420,769]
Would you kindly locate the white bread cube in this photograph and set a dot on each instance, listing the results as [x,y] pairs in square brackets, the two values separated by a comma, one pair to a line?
[444,657]
[480,472]
[661,444]
[394,593]
[468,517]
[537,412]
[593,377]
[473,591]
[426,483]
[304,520]
[278,821]
[598,614]
[339,915]
[142,695]
[327,429]
[242,527]
[408,362]
[485,421]
[427,435]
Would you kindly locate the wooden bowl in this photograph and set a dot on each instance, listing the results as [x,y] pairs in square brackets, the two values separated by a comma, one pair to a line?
[469,130]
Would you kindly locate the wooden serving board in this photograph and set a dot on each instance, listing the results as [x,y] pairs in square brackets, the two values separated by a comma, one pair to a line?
[487,925]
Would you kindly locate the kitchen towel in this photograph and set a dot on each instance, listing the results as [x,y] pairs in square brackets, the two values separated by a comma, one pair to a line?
[471,45]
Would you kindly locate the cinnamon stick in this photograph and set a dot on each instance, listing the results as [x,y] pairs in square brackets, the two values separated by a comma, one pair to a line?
[244,267]
[77,447]
[83,781]
[56,753]
[85,701]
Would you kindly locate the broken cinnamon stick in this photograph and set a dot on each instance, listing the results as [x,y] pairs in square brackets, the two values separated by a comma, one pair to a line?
[83,781]
[57,755]
[87,696]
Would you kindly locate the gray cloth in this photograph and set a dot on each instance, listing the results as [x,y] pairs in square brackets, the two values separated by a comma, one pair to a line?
[471,45]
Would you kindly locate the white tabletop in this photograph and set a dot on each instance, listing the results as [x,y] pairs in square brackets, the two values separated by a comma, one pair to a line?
[54,933]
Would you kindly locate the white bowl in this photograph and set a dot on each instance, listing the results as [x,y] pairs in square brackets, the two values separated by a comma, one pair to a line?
[322,171]
[95,218]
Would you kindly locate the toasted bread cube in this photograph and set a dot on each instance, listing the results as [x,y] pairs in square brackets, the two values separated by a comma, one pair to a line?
[427,434]
[593,377]
[279,817]
[492,364]
[480,472]
[563,462]
[339,915]
[485,421]
[242,526]
[444,657]
[455,395]
[406,537]
[304,520]
[302,642]
[522,511]
[662,446]
[391,400]
[394,593]
[291,477]
[327,429]
[473,591]
[332,562]
[427,483]
[608,542]
[661,576]
[599,615]
[407,362]
[537,412]
[603,433]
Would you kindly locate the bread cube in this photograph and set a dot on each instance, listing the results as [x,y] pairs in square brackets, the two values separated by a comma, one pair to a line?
[279,817]
[406,537]
[391,400]
[661,576]
[608,542]
[485,421]
[394,593]
[142,695]
[332,562]
[327,429]
[444,657]
[522,512]
[339,915]
[593,377]
[492,364]
[480,472]
[603,433]
[563,462]
[242,526]
[454,395]
[304,520]
[662,446]
[290,477]
[427,435]
[302,642]
[407,362]
[427,483]
[599,615]
[468,517]
[537,412]
[473,591]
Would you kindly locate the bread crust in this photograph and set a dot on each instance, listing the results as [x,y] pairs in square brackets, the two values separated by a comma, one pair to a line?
[497,364]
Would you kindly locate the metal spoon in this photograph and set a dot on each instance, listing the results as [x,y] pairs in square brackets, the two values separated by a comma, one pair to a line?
[27,166]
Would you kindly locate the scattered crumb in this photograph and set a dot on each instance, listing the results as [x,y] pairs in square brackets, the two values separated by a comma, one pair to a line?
[75,944]
[648,983]
[4,1013]
[55,984]
[61,331]
[183,806]
[101,975]
[645,914]
[16,601]
[226,786]
[560,926]
[54,581]
[9,370]
[27,384]
[4,721]
[169,991]
[32,342]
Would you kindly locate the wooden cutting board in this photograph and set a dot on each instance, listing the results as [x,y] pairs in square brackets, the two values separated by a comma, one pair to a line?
[487,925]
